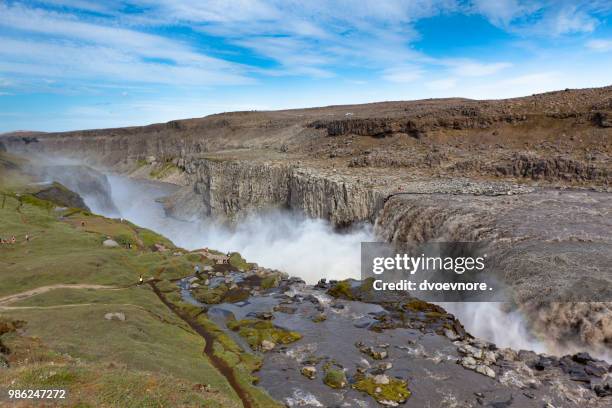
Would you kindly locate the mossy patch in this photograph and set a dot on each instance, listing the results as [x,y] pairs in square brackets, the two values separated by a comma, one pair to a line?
[335,378]
[417,305]
[396,391]
[256,331]
[236,295]
[270,281]
[210,296]
[238,262]
[342,290]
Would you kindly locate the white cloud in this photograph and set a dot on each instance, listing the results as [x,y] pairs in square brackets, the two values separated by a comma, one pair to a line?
[573,20]
[402,74]
[600,45]
[84,49]
[472,68]
[501,12]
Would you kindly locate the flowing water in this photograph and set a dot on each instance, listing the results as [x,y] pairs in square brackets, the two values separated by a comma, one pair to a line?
[303,247]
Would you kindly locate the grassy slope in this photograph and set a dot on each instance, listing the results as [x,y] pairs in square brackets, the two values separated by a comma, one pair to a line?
[152,346]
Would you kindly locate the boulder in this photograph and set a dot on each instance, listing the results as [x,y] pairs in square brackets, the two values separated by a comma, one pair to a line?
[381,379]
[309,372]
[115,316]
[110,243]
[267,345]
[335,379]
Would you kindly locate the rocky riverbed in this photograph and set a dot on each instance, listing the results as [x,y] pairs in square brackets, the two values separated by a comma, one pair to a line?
[343,344]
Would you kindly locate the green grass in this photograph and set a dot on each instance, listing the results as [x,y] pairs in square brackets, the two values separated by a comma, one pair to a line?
[94,385]
[153,358]
[150,340]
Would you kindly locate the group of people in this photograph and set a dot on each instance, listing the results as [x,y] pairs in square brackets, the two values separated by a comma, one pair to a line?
[12,240]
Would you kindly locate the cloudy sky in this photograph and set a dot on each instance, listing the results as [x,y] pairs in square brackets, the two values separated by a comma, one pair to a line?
[73,64]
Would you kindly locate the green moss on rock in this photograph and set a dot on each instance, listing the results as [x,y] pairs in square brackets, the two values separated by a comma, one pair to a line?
[335,379]
[417,305]
[394,391]
[236,295]
[342,290]
[238,262]
[270,281]
[256,332]
[211,296]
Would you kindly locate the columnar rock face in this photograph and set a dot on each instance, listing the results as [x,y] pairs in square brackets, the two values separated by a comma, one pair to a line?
[336,199]
[231,189]
[228,188]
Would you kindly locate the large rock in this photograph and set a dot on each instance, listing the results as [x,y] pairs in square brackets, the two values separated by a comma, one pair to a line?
[115,316]
[110,243]
[61,196]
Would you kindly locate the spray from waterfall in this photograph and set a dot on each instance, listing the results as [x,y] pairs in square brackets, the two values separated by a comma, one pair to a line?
[300,246]
[307,248]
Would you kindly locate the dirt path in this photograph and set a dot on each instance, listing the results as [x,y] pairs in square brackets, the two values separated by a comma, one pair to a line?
[43,289]
[209,340]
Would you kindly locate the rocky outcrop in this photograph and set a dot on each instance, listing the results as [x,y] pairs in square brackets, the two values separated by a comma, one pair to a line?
[551,168]
[603,119]
[60,195]
[89,182]
[229,189]
[467,116]
[379,127]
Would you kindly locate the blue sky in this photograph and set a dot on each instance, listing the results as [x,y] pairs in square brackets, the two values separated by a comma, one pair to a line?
[74,64]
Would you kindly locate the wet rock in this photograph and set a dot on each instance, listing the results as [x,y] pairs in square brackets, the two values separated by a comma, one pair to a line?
[543,363]
[450,334]
[468,362]
[284,308]
[262,334]
[602,388]
[384,389]
[262,315]
[322,284]
[477,359]
[372,352]
[596,369]
[321,317]
[267,345]
[486,370]
[309,372]
[528,357]
[381,379]
[582,358]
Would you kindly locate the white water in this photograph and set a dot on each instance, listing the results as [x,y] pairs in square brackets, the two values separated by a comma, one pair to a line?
[489,321]
[303,247]
[300,246]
